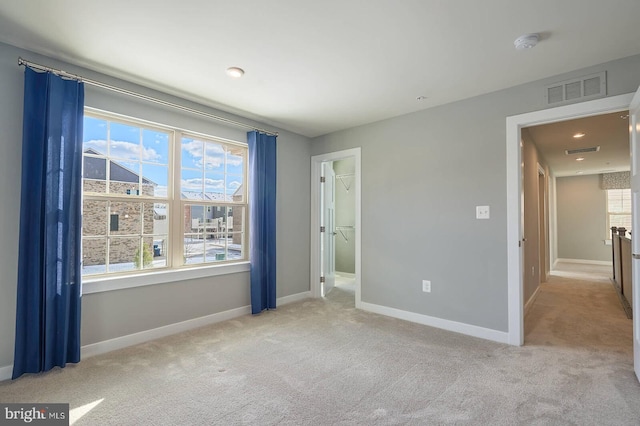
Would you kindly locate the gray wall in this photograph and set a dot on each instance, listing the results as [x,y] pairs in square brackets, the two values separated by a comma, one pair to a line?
[117,313]
[533,274]
[439,164]
[345,216]
[582,218]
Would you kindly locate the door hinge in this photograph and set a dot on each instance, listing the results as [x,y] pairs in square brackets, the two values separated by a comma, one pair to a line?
[322,229]
[322,179]
[321,279]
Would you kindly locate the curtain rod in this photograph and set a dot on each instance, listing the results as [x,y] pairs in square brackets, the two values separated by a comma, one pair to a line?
[62,73]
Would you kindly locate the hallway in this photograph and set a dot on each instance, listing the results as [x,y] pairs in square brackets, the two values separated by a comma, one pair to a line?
[579,308]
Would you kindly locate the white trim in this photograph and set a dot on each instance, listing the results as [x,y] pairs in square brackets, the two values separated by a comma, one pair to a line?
[167,330]
[6,372]
[457,327]
[587,262]
[108,283]
[293,298]
[532,299]
[514,233]
[316,166]
[555,265]
[179,327]
[157,333]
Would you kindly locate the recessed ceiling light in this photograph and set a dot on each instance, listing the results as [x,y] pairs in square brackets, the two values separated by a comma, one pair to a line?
[235,72]
[526,41]
[580,159]
[579,135]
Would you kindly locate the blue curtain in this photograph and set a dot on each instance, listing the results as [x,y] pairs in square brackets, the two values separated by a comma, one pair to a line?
[262,220]
[49,274]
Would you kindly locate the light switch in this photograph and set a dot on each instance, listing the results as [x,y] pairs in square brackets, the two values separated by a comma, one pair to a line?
[482,212]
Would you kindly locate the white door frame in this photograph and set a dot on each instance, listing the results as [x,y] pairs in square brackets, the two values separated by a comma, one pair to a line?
[514,227]
[316,168]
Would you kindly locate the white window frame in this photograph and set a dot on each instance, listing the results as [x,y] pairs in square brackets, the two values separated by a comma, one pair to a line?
[609,214]
[176,269]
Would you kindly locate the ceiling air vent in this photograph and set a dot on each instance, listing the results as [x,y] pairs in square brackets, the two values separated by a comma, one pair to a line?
[582,150]
[578,89]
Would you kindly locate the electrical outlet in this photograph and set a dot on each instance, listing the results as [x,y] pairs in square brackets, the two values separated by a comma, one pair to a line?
[426,286]
[533,271]
[483,212]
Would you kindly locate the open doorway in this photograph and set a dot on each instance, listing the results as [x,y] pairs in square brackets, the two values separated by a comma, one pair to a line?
[577,306]
[515,125]
[335,223]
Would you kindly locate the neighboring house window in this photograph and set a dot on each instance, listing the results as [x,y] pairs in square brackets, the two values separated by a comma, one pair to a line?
[618,209]
[137,217]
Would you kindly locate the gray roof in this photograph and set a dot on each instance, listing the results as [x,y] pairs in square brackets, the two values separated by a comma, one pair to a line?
[95,168]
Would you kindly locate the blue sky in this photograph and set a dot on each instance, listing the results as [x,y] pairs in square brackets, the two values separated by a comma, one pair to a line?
[146,151]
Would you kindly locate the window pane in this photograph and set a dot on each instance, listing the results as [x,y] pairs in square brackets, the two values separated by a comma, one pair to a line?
[94,135]
[124,178]
[192,153]
[124,142]
[147,261]
[94,217]
[129,217]
[623,220]
[193,248]
[191,185]
[235,189]
[124,254]
[155,146]
[214,187]
[94,174]
[214,157]
[94,256]
[235,161]
[155,180]
[160,247]
[619,200]
[234,247]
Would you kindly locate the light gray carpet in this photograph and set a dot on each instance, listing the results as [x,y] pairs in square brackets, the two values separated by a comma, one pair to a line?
[321,362]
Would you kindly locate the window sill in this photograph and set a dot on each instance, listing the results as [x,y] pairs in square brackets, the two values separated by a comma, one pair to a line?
[102,284]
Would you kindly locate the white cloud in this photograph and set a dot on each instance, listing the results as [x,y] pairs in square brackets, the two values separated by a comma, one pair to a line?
[213,154]
[125,150]
[235,184]
[196,184]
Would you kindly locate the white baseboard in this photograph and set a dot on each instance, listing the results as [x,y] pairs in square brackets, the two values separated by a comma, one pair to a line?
[458,327]
[585,262]
[532,299]
[6,372]
[167,330]
[156,333]
[293,298]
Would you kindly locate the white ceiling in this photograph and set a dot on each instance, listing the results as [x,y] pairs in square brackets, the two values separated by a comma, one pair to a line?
[314,67]
[608,131]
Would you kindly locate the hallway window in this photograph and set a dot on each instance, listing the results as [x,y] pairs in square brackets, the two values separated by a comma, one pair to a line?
[618,209]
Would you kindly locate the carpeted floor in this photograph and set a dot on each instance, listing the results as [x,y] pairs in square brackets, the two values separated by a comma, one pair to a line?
[321,362]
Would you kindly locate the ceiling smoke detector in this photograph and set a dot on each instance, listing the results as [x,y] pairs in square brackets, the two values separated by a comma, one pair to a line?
[526,41]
